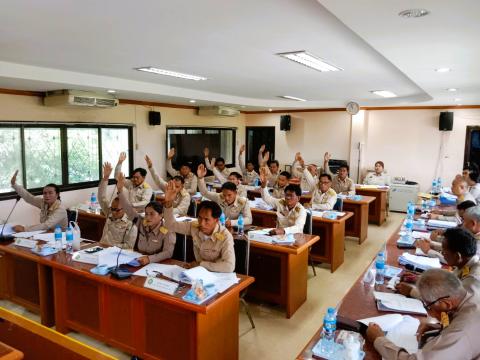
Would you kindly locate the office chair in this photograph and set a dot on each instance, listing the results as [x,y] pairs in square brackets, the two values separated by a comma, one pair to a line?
[242,262]
[307,229]
[72,215]
[338,205]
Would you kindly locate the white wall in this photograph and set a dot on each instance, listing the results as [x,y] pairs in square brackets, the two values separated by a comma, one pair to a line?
[148,139]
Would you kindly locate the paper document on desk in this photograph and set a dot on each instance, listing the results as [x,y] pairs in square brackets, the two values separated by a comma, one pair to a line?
[398,303]
[107,256]
[260,236]
[258,203]
[28,234]
[441,224]
[421,235]
[184,219]
[25,243]
[170,271]
[421,262]
[8,229]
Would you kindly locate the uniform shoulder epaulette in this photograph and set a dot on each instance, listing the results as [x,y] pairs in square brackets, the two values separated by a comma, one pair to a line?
[332,192]
[163,230]
[220,236]
[465,271]
[195,224]
[184,192]
[282,202]
[145,185]
[242,201]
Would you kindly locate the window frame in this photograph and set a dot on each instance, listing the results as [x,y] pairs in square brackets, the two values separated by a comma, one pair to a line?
[63,126]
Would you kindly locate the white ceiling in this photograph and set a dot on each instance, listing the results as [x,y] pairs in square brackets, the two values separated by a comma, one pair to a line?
[95,45]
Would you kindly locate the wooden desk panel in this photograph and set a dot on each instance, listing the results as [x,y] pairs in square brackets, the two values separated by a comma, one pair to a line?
[91,225]
[378,209]
[357,225]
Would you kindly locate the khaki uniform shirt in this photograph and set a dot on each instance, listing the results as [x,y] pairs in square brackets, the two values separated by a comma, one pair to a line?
[278,192]
[182,200]
[239,206]
[320,201]
[465,197]
[158,242]
[225,172]
[470,275]
[241,189]
[190,180]
[139,196]
[457,341]
[248,176]
[340,186]
[291,220]
[373,179]
[474,190]
[50,216]
[299,172]
[115,229]
[215,252]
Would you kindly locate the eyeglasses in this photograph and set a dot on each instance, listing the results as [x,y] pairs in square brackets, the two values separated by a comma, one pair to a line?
[290,195]
[115,209]
[429,305]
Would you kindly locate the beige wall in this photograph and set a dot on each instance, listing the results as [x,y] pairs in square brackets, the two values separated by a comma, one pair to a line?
[148,139]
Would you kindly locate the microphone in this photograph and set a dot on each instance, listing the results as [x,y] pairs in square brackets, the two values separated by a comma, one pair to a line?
[9,237]
[119,273]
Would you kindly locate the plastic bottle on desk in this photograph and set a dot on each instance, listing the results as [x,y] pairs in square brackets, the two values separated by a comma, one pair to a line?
[222,219]
[240,224]
[328,333]
[58,238]
[434,187]
[379,269]
[409,227]
[69,240]
[439,185]
[410,209]
[93,202]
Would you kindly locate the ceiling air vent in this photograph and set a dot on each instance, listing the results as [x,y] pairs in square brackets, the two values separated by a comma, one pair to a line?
[79,98]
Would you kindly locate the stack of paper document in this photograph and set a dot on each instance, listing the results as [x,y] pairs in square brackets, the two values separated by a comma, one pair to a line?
[107,256]
[320,213]
[420,262]
[441,224]
[401,329]
[260,236]
[421,235]
[184,219]
[258,203]
[398,303]
[170,271]
[8,229]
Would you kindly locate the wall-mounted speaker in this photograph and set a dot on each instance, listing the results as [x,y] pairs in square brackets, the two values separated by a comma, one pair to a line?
[154,118]
[285,122]
[445,122]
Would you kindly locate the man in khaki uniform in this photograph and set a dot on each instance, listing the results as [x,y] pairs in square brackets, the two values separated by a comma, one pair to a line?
[291,215]
[278,190]
[233,177]
[323,196]
[212,242]
[341,183]
[182,200]
[52,211]
[185,171]
[272,171]
[117,225]
[231,204]
[298,171]
[458,314]
[139,192]
[248,171]
[218,163]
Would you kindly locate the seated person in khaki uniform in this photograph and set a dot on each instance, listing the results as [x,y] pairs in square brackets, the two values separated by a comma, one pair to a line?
[52,212]
[154,239]
[117,224]
[323,196]
[212,242]
[341,183]
[291,215]
[459,248]
[249,173]
[182,201]
[460,190]
[378,177]
[458,316]
[139,192]
[278,190]
[231,204]
[185,171]
[235,178]
[218,163]
[272,167]
[298,171]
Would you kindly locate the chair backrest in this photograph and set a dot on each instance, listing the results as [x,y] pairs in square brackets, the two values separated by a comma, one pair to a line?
[307,228]
[72,215]
[241,246]
[338,205]
[192,209]
[179,251]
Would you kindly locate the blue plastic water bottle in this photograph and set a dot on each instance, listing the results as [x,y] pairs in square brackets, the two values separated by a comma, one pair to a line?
[69,239]
[222,219]
[410,209]
[329,327]
[439,185]
[434,187]
[380,269]
[58,238]
[93,202]
[240,224]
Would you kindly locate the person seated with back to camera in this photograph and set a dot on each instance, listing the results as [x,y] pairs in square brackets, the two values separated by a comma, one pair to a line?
[182,201]
[52,211]
[155,241]
[230,202]
[190,179]
[119,229]
[291,215]
[212,242]
[139,192]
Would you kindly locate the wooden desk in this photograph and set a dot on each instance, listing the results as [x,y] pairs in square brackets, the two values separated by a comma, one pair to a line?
[331,246]
[281,272]
[134,319]
[359,302]
[8,352]
[377,210]
[91,225]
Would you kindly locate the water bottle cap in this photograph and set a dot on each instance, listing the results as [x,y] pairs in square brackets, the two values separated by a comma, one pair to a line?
[331,310]
[380,253]
[58,227]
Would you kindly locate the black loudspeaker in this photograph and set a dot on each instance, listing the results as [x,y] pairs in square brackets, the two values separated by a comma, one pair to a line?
[154,118]
[285,122]
[445,122]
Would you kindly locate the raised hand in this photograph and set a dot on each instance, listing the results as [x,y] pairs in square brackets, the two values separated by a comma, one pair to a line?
[170,192]
[149,161]
[201,171]
[107,170]
[171,154]
[212,163]
[262,149]
[301,161]
[298,155]
[13,180]
[242,149]
[327,156]
[206,152]
[120,181]
[263,177]
[122,157]
[266,157]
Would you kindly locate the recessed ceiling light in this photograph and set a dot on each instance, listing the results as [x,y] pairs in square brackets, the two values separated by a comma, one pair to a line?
[384,93]
[270,110]
[111,91]
[192,101]
[413,13]
[452,89]
[442,70]
[170,73]
[292,98]
[312,61]
[457,99]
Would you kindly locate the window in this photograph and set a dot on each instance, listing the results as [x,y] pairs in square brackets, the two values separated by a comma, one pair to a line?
[189,143]
[65,154]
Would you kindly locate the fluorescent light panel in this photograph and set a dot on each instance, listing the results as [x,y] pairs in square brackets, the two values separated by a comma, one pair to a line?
[292,98]
[170,73]
[442,70]
[312,61]
[384,93]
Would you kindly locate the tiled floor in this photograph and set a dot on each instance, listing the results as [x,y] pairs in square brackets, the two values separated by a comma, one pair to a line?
[276,337]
